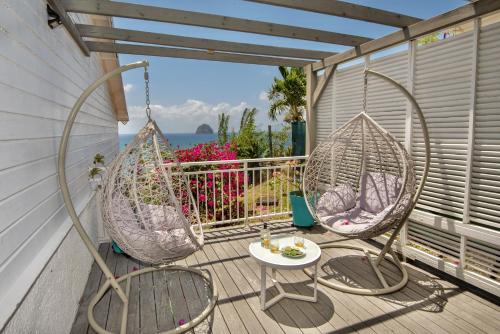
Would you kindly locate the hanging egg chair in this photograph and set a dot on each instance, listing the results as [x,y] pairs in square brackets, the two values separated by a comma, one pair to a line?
[360,183]
[148,210]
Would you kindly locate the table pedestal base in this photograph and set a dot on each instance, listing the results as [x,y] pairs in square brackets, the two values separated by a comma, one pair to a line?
[281,292]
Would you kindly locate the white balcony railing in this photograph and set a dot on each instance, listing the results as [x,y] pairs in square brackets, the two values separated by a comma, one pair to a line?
[230,192]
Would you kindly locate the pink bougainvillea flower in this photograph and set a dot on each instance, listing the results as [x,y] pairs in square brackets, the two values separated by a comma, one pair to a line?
[182,322]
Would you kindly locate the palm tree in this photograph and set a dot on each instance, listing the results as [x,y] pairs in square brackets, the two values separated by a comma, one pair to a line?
[288,95]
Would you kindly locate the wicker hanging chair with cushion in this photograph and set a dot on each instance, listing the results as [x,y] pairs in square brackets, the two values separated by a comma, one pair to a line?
[148,210]
[360,183]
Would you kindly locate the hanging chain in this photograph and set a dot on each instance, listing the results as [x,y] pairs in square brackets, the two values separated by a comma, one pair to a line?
[146,84]
[365,89]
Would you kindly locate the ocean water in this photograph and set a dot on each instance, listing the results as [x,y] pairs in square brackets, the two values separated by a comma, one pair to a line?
[177,140]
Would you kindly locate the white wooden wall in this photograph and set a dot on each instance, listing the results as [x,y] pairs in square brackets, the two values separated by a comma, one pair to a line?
[456,226]
[42,73]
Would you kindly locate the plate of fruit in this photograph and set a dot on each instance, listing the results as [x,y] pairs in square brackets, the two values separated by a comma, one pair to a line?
[293,252]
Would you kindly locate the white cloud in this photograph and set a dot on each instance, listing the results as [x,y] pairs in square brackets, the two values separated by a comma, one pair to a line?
[185,117]
[128,87]
[263,96]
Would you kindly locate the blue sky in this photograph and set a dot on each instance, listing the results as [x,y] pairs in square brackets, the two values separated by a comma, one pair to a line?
[186,93]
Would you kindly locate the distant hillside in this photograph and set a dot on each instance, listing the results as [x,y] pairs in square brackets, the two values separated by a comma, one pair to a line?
[204,129]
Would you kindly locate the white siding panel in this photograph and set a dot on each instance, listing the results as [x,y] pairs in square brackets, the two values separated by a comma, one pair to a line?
[42,73]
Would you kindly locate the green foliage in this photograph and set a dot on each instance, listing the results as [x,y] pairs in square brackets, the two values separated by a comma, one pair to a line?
[250,142]
[222,131]
[98,159]
[94,171]
[281,143]
[431,38]
[288,94]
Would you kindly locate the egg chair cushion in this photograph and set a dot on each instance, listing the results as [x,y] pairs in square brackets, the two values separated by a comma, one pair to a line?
[130,235]
[169,230]
[357,221]
[336,200]
[377,191]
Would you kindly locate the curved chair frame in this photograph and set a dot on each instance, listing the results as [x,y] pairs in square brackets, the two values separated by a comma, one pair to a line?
[111,281]
[386,252]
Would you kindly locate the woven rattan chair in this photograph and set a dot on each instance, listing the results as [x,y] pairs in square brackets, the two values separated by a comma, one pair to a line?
[361,183]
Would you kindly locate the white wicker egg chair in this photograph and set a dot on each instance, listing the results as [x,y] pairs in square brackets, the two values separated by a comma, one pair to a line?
[148,210]
[360,183]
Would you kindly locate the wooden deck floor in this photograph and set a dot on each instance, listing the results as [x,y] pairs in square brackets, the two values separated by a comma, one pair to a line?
[428,304]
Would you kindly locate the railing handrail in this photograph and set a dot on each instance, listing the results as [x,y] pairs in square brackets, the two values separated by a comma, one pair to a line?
[224,162]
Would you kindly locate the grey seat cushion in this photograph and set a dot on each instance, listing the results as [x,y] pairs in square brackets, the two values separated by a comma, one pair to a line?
[336,200]
[377,191]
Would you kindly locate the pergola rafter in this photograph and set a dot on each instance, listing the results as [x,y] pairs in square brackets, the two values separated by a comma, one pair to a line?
[196,43]
[158,51]
[346,9]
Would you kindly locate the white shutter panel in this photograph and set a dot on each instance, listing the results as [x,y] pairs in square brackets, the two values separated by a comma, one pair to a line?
[347,93]
[443,90]
[485,185]
[386,105]
[323,113]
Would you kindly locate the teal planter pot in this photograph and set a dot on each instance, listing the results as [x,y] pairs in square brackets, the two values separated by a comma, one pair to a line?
[298,138]
[301,215]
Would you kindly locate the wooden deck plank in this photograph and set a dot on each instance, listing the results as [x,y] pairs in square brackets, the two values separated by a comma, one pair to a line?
[417,308]
[134,317]
[217,323]
[164,314]
[81,323]
[147,303]
[113,323]
[228,311]
[101,310]
[247,316]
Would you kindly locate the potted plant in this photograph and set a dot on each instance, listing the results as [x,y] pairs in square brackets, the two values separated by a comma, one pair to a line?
[96,172]
[301,215]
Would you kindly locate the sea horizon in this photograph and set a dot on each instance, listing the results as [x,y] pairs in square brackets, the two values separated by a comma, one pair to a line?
[177,140]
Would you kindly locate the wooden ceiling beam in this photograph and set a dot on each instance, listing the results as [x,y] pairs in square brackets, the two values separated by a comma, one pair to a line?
[436,23]
[110,33]
[162,14]
[158,51]
[346,9]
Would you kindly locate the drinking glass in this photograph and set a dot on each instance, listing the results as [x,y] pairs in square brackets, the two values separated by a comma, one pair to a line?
[275,245]
[298,241]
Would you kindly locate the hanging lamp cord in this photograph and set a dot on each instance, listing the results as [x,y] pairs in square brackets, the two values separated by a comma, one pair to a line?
[146,86]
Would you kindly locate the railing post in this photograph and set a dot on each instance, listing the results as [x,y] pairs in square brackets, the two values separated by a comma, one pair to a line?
[245,194]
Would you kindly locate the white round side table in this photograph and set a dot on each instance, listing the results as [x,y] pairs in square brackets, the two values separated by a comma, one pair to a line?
[277,261]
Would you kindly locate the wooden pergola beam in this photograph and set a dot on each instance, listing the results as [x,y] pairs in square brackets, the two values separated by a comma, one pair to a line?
[70,26]
[191,54]
[161,14]
[464,13]
[346,9]
[110,33]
